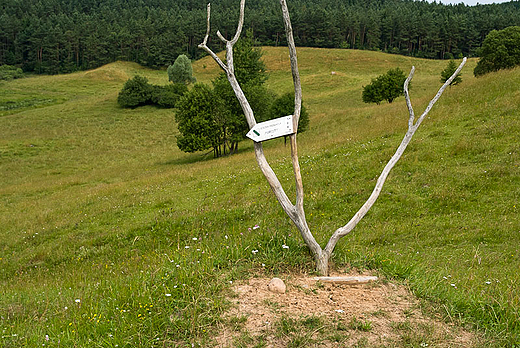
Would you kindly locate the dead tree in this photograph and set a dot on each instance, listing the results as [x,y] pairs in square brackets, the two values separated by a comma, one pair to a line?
[296,211]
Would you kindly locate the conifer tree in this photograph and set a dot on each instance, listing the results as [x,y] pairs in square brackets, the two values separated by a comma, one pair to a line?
[448,71]
[181,71]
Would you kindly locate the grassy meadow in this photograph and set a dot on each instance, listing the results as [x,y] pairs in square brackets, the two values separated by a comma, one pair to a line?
[110,236]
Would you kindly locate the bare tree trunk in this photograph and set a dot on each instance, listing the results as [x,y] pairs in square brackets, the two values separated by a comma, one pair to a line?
[296,211]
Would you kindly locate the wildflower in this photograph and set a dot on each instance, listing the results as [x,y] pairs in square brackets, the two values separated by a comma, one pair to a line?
[256,227]
[167,295]
[455,286]
[254,252]
[77,300]
[187,247]
[285,246]
[226,236]
[46,337]
[263,264]
[488,282]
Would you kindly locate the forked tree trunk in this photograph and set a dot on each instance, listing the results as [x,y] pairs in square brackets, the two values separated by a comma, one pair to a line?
[296,211]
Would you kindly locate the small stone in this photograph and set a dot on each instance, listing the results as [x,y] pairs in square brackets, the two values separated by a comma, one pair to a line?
[277,285]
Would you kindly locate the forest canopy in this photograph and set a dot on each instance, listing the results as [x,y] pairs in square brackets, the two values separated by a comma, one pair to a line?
[60,36]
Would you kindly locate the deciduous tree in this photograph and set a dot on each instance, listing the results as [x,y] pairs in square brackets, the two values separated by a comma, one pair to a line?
[197,120]
[385,87]
[500,50]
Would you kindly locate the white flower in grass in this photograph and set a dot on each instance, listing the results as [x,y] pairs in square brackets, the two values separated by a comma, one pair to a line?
[256,227]
[285,246]
[167,295]
[77,300]
[254,251]
[194,238]
[187,247]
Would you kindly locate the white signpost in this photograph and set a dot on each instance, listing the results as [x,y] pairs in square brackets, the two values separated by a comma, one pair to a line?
[271,129]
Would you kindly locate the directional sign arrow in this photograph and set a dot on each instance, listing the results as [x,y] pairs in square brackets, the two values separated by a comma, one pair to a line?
[271,129]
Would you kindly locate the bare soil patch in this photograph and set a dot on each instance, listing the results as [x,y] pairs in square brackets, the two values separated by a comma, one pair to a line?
[315,314]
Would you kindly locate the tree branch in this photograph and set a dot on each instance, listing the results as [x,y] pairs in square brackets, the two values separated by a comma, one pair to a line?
[204,43]
[302,225]
[407,97]
[342,231]
[439,93]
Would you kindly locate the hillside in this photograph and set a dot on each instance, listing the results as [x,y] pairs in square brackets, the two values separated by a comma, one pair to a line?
[97,204]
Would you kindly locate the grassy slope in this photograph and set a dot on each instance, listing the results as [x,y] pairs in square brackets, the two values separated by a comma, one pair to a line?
[98,204]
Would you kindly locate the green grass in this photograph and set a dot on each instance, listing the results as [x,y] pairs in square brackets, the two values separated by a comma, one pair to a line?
[97,204]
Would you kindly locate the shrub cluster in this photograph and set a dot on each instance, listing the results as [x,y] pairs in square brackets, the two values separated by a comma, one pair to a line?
[137,91]
[9,72]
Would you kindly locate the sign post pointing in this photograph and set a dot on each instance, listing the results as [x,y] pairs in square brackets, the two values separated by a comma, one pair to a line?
[271,129]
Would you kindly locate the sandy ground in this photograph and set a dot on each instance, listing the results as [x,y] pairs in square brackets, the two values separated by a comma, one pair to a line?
[395,316]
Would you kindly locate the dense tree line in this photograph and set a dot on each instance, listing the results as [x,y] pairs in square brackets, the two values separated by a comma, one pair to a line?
[58,36]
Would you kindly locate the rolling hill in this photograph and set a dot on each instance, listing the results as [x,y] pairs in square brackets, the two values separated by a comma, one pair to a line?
[99,209]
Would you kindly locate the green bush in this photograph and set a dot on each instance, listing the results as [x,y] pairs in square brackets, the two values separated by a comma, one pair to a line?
[385,87]
[168,96]
[500,50]
[136,91]
[9,72]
